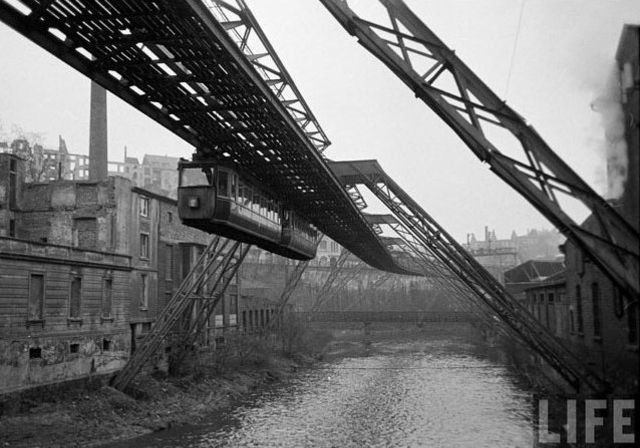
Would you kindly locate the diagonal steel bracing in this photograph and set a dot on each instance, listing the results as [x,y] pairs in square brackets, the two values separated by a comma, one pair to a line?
[339,284]
[206,282]
[450,253]
[293,280]
[203,304]
[444,279]
[325,289]
[456,94]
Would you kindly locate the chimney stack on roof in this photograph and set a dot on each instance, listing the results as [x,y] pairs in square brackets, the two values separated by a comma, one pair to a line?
[98,168]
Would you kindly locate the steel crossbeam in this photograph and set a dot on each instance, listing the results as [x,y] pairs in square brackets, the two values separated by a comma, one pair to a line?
[460,98]
[451,254]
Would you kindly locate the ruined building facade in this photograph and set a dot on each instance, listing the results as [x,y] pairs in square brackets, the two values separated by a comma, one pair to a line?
[85,267]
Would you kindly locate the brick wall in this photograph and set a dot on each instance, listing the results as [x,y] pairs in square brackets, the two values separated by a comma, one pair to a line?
[57,345]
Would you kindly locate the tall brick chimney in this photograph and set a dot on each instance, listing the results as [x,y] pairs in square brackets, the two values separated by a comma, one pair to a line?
[98,169]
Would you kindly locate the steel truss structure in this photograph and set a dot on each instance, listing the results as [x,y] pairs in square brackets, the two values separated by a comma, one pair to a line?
[293,280]
[340,283]
[326,287]
[242,26]
[445,281]
[438,244]
[459,97]
[178,63]
[187,313]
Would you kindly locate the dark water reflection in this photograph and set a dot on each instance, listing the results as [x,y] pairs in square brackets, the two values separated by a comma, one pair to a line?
[406,393]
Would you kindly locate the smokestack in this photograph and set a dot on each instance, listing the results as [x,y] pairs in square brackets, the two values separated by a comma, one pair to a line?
[98,133]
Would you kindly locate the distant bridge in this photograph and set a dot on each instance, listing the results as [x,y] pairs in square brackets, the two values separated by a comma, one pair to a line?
[387,316]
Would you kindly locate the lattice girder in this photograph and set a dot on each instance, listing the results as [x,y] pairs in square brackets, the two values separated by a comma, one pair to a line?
[466,105]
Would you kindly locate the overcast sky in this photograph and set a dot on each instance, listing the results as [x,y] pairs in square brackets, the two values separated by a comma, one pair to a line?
[563,55]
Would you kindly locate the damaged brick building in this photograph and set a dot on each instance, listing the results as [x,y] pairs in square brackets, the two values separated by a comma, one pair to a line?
[85,266]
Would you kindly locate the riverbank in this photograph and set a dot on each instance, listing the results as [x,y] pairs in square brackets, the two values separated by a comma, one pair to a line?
[94,413]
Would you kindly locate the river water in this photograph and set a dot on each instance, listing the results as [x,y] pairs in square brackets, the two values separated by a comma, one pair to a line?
[397,392]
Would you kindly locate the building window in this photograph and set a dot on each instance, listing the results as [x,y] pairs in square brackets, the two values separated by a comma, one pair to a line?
[540,306]
[169,217]
[74,348]
[632,317]
[546,311]
[595,301]
[114,231]
[36,297]
[572,321]
[579,309]
[618,303]
[75,297]
[107,297]
[144,245]
[552,312]
[169,262]
[233,303]
[12,228]
[144,293]
[13,184]
[144,206]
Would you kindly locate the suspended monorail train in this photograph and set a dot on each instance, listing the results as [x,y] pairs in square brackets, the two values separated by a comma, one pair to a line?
[218,199]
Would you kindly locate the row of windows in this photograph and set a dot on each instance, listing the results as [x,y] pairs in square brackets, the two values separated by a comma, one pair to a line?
[577,319]
[74,347]
[256,318]
[542,306]
[36,304]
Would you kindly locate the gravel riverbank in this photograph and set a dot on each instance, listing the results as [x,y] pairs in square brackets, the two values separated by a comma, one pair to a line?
[96,414]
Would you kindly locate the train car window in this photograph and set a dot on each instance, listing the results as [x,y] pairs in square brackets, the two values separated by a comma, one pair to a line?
[234,187]
[263,206]
[223,182]
[195,177]
[248,196]
[241,193]
[256,203]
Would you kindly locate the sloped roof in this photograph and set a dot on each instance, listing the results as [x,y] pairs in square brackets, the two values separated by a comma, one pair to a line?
[533,271]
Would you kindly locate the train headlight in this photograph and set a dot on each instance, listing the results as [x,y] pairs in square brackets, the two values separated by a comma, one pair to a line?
[193,202]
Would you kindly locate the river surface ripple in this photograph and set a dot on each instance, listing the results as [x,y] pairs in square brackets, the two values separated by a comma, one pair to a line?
[405,393]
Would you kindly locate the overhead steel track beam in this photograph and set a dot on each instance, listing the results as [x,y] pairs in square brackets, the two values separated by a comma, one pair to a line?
[202,86]
[460,98]
[242,25]
[457,260]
